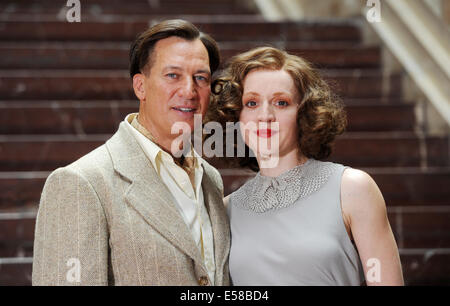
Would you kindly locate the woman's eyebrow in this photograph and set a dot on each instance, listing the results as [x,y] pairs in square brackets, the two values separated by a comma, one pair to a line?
[281,93]
[251,93]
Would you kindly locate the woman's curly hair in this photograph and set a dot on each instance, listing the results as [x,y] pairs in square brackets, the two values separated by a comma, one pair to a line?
[320,117]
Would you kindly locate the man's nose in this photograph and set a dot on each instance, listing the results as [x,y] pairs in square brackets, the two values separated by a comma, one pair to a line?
[188,89]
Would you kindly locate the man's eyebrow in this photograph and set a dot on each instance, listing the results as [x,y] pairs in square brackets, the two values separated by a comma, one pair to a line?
[206,71]
[173,67]
[203,71]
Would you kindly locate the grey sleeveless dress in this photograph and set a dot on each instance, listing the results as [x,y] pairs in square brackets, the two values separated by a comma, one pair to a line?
[289,230]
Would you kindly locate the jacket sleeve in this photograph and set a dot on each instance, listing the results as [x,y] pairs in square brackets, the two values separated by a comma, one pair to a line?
[71,235]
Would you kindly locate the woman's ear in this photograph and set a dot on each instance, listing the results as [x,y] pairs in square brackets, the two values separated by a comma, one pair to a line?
[138,86]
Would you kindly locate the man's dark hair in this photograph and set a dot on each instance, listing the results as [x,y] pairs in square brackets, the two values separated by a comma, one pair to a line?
[142,48]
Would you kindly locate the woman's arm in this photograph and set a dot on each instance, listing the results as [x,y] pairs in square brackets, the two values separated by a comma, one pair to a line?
[364,211]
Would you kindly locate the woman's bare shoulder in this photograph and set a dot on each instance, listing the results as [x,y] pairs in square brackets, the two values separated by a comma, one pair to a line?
[356,182]
[360,193]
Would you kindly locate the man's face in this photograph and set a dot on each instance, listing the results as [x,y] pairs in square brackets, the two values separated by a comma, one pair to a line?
[176,87]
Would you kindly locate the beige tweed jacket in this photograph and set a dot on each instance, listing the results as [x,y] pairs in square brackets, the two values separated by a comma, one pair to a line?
[107,219]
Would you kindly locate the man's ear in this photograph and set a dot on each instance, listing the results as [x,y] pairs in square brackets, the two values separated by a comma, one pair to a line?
[138,86]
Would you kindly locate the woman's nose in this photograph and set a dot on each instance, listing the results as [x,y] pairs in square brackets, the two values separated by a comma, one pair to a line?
[266,113]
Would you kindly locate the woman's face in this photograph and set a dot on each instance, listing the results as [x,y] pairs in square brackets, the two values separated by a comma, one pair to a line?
[269,111]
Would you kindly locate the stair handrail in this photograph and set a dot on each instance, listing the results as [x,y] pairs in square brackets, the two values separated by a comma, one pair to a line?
[421,44]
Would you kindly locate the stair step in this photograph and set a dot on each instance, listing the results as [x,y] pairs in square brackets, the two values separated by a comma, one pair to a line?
[16,236]
[436,149]
[116,84]
[323,56]
[419,230]
[21,190]
[52,2]
[381,117]
[95,8]
[115,56]
[400,186]
[43,153]
[384,149]
[358,149]
[377,149]
[424,228]
[15,274]
[64,118]
[122,29]
[104,117]
[428,268]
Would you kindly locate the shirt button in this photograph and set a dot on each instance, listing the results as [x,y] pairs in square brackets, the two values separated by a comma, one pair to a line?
[203,281]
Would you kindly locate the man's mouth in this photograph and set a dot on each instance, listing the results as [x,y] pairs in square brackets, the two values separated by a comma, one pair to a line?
[185,109]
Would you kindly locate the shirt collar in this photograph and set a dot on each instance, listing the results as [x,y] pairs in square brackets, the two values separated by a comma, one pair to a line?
[147,142]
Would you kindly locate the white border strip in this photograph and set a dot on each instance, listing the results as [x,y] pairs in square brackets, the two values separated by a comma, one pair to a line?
[16,260]
[18,215]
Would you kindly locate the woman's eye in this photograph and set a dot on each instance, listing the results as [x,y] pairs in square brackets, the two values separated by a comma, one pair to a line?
[282,103]
[250,104]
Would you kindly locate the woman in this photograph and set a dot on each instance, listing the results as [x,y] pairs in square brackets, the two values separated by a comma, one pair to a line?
[304,221]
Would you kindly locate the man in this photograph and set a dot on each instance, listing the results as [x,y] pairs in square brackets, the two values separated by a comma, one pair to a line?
[129,213]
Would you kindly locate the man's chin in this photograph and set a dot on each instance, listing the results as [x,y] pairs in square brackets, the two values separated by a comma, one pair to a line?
[185,120]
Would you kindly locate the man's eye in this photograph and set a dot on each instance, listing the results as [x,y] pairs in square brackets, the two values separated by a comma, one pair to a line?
[201,78]
[172,75]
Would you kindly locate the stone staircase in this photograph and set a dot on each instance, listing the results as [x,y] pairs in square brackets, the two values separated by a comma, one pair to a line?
[64,88]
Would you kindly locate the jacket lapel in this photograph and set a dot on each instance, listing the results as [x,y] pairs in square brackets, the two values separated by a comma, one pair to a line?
[147,194]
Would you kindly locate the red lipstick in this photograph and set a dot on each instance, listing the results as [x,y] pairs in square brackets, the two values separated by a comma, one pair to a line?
[265,133]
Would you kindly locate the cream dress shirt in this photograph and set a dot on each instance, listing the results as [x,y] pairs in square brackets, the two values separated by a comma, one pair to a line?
[189,202]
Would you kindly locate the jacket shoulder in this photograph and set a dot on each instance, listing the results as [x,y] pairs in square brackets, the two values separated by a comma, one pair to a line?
[96,161]
[92,168]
